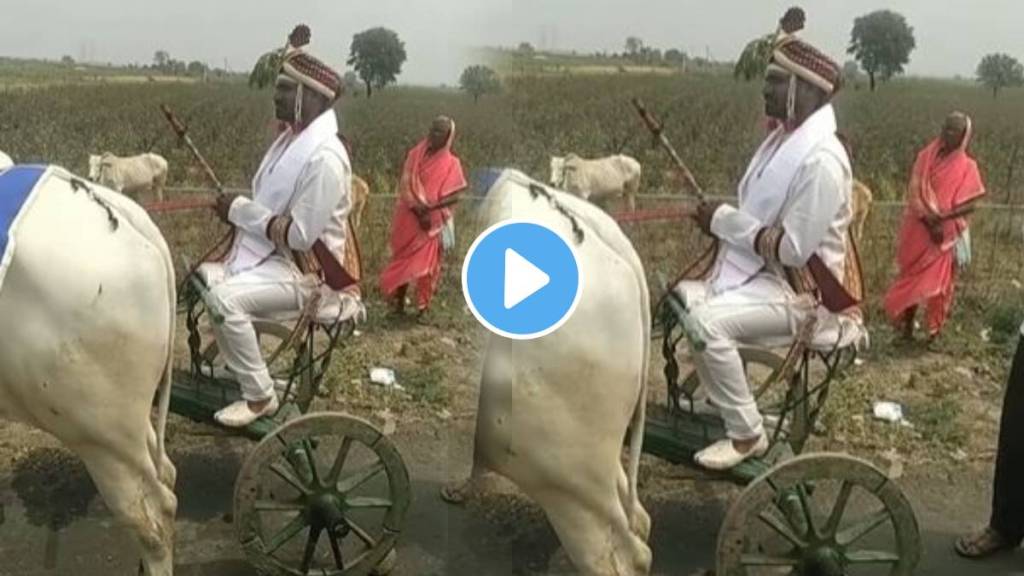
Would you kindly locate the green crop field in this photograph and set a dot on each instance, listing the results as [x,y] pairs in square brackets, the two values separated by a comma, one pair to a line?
[713,120]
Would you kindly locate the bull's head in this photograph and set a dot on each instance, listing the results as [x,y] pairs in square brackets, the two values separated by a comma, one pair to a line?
[94,167]
[557,171]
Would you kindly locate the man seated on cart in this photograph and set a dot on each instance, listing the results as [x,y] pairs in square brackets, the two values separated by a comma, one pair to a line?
[784,255]
[292,242]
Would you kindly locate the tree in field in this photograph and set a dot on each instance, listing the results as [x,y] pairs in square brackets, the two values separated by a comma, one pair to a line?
[526,49]
[377,55]
[998,71]
[882,42]
[197,68]
[479,80]
[178,67]
[633,46]
[67,60]
[161,60]
[675,57]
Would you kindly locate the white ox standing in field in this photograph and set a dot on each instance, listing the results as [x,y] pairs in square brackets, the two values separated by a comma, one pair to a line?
[129,175]
[611,176]
[87,313]
[554,411]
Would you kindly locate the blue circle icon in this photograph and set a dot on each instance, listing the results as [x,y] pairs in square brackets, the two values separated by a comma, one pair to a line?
[521,279]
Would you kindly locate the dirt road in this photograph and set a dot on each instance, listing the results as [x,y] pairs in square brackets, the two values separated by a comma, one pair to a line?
[55,524]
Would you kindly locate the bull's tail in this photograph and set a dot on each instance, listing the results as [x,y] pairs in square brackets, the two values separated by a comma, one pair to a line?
[637,425]
[164,401]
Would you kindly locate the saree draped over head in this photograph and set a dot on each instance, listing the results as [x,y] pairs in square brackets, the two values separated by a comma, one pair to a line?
[939,184]
[427,179]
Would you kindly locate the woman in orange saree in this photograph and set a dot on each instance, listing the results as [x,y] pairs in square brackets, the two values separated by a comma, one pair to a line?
[431,179]
[944,185]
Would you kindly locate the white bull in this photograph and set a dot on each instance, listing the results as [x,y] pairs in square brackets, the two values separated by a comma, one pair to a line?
[610,176]
[87,315]
[129,175]
[554,411]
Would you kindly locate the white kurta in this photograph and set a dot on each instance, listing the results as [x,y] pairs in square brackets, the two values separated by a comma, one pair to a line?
[746,301]
[306,176]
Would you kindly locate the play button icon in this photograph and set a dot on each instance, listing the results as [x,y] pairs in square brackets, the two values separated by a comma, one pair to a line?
[521,279]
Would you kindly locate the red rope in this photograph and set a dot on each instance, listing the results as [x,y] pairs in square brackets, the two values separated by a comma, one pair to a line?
[669,214]
[179,205]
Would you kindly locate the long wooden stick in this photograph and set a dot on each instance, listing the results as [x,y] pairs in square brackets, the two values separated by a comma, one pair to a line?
[182,133]
[658,131]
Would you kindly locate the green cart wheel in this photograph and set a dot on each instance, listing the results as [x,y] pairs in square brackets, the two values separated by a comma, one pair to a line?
[820,515]
[327,495]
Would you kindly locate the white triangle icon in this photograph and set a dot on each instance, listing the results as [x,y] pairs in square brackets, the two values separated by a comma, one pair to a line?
[522,279]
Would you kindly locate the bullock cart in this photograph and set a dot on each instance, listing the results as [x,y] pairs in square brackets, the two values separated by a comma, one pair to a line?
[815,514]
[322,493]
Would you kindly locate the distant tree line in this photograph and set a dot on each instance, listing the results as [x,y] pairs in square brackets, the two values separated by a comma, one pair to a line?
[165,65]
[881,43]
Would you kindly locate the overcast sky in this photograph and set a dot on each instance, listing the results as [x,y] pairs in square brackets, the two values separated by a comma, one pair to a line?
[952,35]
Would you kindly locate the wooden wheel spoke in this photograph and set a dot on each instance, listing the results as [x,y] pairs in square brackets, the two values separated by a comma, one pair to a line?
[298,524]
[287,476]
[872,557]
[339,461]
[307,449]
[339,561]
[361,533]
[832,525]
[772,521]
[359,478]
[277,506]
[763,560]
[862,528]
[307,555]
[805,506]
[360,502]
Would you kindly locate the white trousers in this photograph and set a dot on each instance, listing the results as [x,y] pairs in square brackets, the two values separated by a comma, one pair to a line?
[270,289]
[761,310]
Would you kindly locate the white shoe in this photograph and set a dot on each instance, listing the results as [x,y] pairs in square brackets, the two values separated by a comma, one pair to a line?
[239,415]
[723,456]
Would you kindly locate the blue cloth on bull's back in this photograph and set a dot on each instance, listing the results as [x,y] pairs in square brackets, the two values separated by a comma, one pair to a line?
[481,180]
[16,186]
